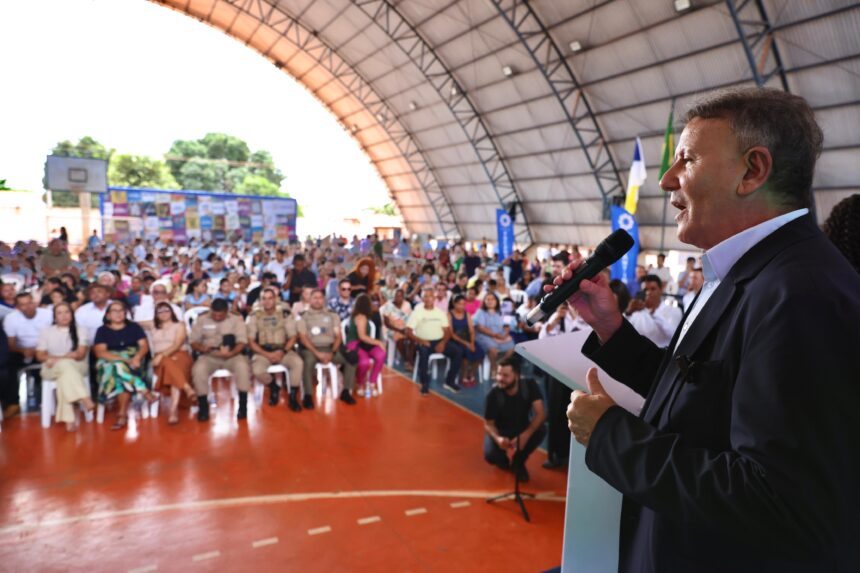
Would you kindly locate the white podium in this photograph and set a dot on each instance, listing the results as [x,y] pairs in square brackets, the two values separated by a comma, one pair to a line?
[593,509]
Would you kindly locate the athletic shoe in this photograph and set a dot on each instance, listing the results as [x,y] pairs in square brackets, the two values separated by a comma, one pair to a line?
[455,388]
[346,396]
[554,464]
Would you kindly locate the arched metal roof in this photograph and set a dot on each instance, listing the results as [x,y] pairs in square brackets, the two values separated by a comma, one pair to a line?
[464,106]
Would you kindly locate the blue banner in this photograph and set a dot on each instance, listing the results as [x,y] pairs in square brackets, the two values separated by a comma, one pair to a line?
[625,267]
[505,231]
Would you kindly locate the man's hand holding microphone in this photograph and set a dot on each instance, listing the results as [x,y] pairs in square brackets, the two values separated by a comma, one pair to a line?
[596,304]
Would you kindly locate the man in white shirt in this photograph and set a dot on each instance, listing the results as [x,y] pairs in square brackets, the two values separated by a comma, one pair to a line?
[23,327]
[443,297]
[695,280]
[651,316]
[663,272]
[278,266]
[91,315]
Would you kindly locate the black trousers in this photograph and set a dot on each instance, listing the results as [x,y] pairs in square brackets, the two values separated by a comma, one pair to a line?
[557,398]
[498,457]
[10,384]
[453,351]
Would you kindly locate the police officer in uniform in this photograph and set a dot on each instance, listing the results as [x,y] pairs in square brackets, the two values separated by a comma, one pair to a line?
[319,333]
[220,338]
[272,337]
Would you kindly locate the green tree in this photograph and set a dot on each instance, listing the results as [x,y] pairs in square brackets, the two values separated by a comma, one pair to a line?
[221,162]
[387,209]
[140,171]
[203,175]
[85,147]
[223,146]
[3,186]
[263,164]
[180,152]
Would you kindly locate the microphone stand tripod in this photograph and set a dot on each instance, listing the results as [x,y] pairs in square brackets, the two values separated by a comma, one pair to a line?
[516,494]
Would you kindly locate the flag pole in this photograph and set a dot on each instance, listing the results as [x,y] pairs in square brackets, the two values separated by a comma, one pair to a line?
[663,167]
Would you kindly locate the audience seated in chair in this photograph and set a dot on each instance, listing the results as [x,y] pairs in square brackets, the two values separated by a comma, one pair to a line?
[62,350]
[120,347]
[371,351]
[220,339]
[271,337]
[428,327]
[171,362]
[319,333]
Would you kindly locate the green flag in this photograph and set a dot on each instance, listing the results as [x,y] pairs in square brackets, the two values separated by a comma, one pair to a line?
[668,145]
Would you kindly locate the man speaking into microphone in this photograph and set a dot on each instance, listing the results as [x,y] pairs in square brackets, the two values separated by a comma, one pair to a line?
[746,455]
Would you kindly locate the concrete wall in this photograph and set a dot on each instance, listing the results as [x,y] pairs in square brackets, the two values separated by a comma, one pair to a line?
[24,216]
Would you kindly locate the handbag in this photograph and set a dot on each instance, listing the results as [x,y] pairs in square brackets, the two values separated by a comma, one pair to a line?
[349,354]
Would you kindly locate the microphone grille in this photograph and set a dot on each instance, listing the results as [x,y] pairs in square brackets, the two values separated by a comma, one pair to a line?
[614,246]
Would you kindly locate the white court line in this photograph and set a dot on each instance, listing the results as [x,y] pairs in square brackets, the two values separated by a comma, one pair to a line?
[319,530]
[416,511]
[205,556]
[264,542]
[457,504]
[366,520]
[145,569]
[257,500]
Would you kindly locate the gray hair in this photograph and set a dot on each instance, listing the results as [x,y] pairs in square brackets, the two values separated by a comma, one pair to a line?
[783,123]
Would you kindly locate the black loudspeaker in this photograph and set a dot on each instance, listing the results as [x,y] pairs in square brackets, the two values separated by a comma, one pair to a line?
[512,211]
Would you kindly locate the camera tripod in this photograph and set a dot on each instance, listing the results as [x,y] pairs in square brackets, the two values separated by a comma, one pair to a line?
[516,494]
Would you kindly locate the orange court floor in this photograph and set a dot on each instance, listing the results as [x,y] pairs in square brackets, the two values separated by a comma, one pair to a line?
[394,483]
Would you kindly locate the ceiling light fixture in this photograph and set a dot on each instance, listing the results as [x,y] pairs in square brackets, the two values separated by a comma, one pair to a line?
[354,128]
[682,5]
[413,106]
[575,46]
[508,71]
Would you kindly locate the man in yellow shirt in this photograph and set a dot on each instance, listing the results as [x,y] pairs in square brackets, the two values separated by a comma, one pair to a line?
[429,328]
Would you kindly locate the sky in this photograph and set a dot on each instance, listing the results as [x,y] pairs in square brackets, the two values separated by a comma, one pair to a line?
[137,76]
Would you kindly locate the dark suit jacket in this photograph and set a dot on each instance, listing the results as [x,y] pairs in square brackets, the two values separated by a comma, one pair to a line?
[745,456]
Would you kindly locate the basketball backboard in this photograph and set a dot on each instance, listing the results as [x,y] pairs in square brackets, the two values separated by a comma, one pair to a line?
[76,174]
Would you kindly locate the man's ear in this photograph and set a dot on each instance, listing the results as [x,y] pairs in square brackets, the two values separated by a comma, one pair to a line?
[759,164]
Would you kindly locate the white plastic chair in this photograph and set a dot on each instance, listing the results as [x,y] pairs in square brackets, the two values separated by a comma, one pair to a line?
[518,296]
[321,379]
[191,315]
[274,370]
[49,402]
[433,364]
[23,373]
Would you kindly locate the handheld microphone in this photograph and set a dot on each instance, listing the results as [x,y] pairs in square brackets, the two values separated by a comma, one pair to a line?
[607,252]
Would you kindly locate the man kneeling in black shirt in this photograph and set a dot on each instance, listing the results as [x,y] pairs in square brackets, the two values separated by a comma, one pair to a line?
[514,414]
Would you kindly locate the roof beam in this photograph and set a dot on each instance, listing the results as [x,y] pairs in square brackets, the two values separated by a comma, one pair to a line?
[389,19]
[758,41]
[324,56]
[553,65]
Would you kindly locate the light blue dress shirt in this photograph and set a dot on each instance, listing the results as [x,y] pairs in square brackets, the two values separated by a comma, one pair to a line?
[719,260]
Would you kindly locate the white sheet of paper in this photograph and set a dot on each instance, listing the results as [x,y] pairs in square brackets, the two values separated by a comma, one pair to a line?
[593,510]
